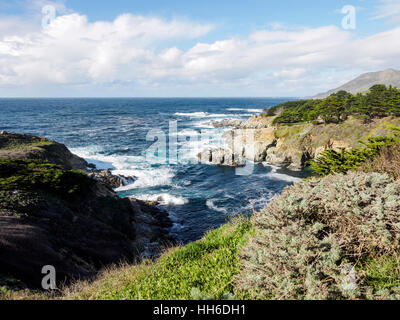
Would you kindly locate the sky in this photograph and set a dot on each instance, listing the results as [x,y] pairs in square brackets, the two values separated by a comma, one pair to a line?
[184,48]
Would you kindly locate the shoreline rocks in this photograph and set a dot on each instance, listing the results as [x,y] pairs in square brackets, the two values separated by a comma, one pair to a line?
[258,140]
[152,225]
[226,123]
[221,157]
[252,144]
[113,181]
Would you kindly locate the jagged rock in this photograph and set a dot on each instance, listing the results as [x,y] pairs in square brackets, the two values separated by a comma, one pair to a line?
[286,155]
[114,181]
[221,157]
[226,123]
[257,122]
[253,144]
[91,166]
[152,227]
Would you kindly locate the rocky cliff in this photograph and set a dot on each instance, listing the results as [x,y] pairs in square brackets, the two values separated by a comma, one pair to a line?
[51,215]
[260,141]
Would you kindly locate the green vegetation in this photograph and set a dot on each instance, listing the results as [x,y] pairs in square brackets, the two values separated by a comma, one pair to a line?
[199,270]
[33,175]
[335,237]
[381,273]
[379,101]
[342,161]
[20,142]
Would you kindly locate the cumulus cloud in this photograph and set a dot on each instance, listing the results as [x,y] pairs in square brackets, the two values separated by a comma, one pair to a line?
[144,51]
[72,50]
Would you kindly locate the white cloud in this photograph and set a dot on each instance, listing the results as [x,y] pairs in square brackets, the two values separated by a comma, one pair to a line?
[143,52]
[72,50]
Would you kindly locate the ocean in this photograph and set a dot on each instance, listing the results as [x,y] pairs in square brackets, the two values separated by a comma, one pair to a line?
[117,134]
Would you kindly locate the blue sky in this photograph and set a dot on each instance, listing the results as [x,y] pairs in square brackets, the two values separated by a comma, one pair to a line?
[236,16]
[192,48]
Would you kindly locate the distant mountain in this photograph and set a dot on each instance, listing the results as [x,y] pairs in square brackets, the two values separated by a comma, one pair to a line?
[366,81]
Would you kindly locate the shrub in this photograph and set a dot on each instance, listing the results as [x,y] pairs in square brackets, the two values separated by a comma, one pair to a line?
[388,161]
[342,161]
[24,174]
[316,240]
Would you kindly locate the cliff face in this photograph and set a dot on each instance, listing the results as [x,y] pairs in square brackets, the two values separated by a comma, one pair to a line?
[295,145]
[52,216]
[253,144]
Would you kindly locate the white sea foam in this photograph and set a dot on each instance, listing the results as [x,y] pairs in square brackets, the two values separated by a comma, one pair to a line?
[146,178]
[274,175]
[164,199]
[128,166]
[211,205]
[190,148]
[203,124]
[92,154]
[247,110]
[259,202]
[192,114]
[209,115]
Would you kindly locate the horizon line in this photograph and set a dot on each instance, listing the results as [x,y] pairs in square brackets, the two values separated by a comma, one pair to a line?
[194,97]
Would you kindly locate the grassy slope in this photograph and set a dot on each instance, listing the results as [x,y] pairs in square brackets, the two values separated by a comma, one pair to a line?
[10,143]
[350,131]
[199,270]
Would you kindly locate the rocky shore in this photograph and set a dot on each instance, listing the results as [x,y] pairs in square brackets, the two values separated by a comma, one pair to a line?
[258,140]
[221,157]
[54,210]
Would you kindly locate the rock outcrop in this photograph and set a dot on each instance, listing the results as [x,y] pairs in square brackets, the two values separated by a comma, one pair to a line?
[113,181]
[226,123]
[255,122]
[152,224]
[15,145]
[294,145]
[78,233]
[221,157]
[253,144]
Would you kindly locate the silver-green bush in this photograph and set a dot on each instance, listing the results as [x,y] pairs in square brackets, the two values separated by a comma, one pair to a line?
[313,241]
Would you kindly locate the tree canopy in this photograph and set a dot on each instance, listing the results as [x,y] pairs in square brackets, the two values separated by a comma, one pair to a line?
[379,101]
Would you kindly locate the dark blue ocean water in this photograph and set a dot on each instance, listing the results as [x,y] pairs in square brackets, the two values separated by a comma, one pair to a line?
[112,134]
